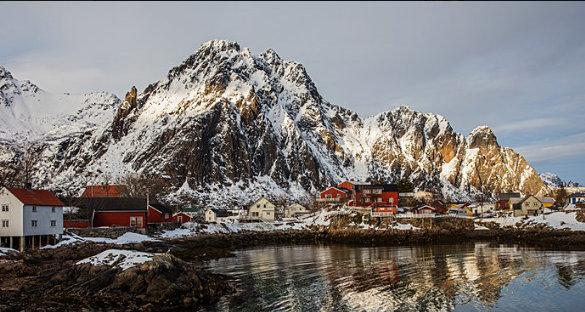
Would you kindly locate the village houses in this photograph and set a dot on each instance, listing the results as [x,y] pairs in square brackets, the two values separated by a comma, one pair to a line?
[576,198]
[29,218]
[263,210]
[294,210]
[528,206]
[115,212]
[216,215]
[506,201]
[380,199]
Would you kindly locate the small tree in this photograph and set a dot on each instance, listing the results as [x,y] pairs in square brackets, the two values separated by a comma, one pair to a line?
[405,186]
[18,171]
[141,185]
[561,196]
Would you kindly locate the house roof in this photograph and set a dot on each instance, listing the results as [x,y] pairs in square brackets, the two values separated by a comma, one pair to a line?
[510,195]
[221,213]
[35,197]
[160,207]
[385,187]
[103,191]
[525,198]
[259,200]
[107,203]
[342,189]
[425,206]
[190,209]
[546,199]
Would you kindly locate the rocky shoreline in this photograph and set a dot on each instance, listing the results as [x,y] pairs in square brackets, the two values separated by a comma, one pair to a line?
[50,280]
[221,244]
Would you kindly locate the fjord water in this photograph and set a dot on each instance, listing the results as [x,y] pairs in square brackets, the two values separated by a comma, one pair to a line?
[465,277]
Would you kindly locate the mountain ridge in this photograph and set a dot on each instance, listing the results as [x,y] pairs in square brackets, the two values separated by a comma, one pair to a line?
[225,119]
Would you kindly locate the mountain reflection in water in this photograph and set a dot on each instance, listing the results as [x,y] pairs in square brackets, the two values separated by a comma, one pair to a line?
[466,277]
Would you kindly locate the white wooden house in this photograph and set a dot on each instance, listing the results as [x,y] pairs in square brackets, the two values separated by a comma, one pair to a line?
[528,206]
[294,210]
[262,209]
[29,218]
[216,215]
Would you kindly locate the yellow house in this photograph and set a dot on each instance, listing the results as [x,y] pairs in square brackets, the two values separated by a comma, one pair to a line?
[547,202]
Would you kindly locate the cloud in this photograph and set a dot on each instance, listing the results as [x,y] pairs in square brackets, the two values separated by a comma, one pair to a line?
[517,67]
[570,146]
[529,124]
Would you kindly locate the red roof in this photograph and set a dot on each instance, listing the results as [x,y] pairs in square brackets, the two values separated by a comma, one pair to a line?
[103,191]
[35,197]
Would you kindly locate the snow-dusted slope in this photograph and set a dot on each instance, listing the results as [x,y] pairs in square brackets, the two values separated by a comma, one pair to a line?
[554,181]
[29,113]
[228,125]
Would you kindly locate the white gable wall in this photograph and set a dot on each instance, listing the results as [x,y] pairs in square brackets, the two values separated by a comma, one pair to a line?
[43,216]
[14,214]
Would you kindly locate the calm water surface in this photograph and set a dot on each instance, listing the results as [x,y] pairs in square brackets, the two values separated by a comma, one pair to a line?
[467,277]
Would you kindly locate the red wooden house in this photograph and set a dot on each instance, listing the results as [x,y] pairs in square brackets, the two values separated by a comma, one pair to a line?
[358,194]
[374,195]
[120,212]
[334,194]
[182,217]
[425,209]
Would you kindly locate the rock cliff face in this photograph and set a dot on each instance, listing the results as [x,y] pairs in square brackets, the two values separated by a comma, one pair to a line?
[226,124]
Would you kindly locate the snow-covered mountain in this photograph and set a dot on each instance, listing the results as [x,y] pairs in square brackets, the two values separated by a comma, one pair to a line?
[229,125]
[554,181]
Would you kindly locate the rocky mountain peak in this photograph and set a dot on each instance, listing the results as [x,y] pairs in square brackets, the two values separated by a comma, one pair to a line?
[271,57]
[216,45]
[8,87]
[4,73]
[482,136]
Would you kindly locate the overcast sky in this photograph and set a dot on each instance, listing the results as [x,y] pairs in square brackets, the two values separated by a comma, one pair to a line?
[516,67]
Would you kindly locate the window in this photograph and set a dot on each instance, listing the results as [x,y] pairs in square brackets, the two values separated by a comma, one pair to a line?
[377,191]
[379,199]
[367,200]
[34,223]
[53,223]
[329,196]
[166,215]
[5,208]
[366,191]
[391,200]
[34,208]
[53,209]
[5,223]
[136,221]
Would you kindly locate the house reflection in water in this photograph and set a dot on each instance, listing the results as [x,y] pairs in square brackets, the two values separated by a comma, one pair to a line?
[327,278]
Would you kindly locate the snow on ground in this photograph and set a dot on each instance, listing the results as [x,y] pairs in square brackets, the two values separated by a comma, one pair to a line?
[322,217]
[117,258]
[126,238]
[192,228]
[480,228]
[5,251]
[556,220]
[404,227]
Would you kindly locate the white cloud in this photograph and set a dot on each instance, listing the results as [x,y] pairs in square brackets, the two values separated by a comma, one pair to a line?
[529,124]
[573,145]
